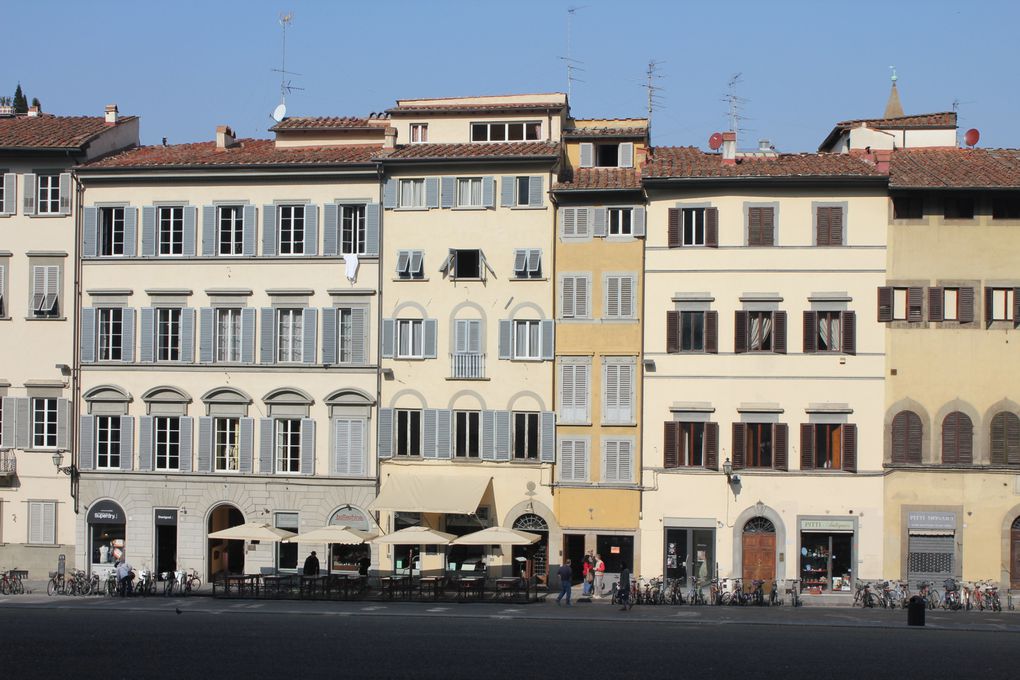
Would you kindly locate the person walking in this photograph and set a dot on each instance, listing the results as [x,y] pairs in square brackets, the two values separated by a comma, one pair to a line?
[311,567]
[600,574]
[624,587]
[566,574]
[587,577]
[125,573]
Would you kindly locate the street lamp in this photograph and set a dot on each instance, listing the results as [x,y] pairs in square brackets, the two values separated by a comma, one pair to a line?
[71,469]
[727,468]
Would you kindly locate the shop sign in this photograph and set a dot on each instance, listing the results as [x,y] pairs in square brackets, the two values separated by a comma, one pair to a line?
[351,517]
[166,517]
[826,525]
[106,512]
[931,520]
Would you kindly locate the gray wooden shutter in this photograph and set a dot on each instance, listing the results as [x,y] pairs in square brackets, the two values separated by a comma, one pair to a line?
[547,328]
[63,424]
[148,231]
[189,234]
[489,191]
[810,332]
[444,443]
[127,442]
[448,192]
[587,154]
[488,421]
[372,230]
[65,193]
[10,406]
[205,444]
[507,190]
[329,335]
[390,193]
[637,224]
[536,191]
[269,230]
[130,231]
[246,446]
[186,446]
[431,192]
[188,335]
[209,231]
[267,339]
[330,229]
[935,300]
[127,341]
[429,339]
[307,446]
[248,229]
[506,338]
[309,328]
[599,223]
[145,443]
[502,419]
[567,295]
[311,244]
[206,334]
[88,335]
[340,453]
[10,204]
[90,232]
[86,441]
[28,191]
[389,333]
[848,328]
[147,348]
[359,336]
[248,335]
[357,465]
[428,448]
[23,423]
[548,437]
[626,155]
[384,437]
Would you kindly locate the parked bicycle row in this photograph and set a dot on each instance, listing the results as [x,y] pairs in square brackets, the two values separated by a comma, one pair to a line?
[12,581]
[124,582]
[954,595]
[717,592]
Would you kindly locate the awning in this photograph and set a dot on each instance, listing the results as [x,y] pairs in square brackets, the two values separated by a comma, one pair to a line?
[498,536]
[439,494]
[252,531]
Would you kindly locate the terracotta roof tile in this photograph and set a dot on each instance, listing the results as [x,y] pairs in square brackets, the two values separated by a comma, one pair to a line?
[330,123]
[942,119]
[955,168]
[51,132]
[688,161]
[475,151]
[476,108]
[247,152]
[594,179]
[586,132]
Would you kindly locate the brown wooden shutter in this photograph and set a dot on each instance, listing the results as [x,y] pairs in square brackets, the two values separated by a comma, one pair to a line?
[712,446]
[673,233]
[998,439]
[885,304]
[739,445]
[822,226]
[781,449]
[712,332]
[899,437]
[754,226]
[1016,306]
[914,437]
[712,227]
[966,305]
[779,332]
[672,331]
[835,226]
[915,302]
[965,434]
[849,432]
[848,325]
[988,305]
[807,446]
[936,297]
[739,332]
[670,444]
[810,332]
[768,226]
[1012,439]
[950,439]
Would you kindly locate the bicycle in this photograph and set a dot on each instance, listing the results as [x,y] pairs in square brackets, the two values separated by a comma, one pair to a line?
[774,599]
[56,585]
[929,594]
[864,597]
[951,600]
[10,583]
[190,581]
[694,595]
[795,593]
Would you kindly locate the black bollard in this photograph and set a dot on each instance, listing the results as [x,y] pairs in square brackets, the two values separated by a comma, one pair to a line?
[915,611]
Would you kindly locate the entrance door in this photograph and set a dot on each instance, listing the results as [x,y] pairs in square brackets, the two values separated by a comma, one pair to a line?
[759,552]
[930,558]
[534,557]
[225,557]
[573,549]
[1014,555]
[166,548]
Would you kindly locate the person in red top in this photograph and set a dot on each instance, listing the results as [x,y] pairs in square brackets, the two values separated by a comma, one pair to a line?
[600,572]
[587,567]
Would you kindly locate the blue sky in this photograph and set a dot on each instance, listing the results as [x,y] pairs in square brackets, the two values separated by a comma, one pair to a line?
[186,67]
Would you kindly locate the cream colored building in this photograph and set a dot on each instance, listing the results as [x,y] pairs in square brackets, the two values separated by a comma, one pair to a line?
[38,219]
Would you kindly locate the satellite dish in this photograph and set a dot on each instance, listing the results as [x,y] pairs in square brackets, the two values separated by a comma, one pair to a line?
[972,136]
[279,112]
[715,141]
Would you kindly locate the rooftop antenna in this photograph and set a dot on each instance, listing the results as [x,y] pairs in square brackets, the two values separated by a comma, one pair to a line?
[956,109]
[654,100]
[735,103]
[572,64]
[286,18]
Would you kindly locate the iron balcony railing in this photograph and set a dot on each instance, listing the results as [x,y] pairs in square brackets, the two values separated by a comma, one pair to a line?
[467,365]
[8,463]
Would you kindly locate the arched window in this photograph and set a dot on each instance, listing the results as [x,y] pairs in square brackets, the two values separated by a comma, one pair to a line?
[1016,524]
[530,522]
[957,439]
[1005,436]
[906,437]
[759,525]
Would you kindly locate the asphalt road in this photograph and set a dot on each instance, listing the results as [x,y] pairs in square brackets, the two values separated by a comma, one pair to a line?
[48,638]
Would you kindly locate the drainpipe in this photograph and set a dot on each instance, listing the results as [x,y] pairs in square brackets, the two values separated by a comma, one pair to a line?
[72,438]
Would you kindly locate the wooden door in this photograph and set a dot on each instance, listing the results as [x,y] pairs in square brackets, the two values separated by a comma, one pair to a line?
[759,558]
[1014,559]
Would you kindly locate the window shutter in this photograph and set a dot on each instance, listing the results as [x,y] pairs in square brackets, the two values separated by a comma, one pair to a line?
[822,226]
[626,155]
[248,231]
[506,191]
[585,217]
[580,473]
[779,332]
[307,446]
[448,192]
[1012,440]
[506,339]
[627,284]
[267,441]
[147,348]
[611,393]
[548,452]
[624,469]
[329,335]
[269,230]
[188,234]
[966,303]
[63,424]
[311,244]
[536,191]
[431,192]
[148,231]
[88,335]
[587,154]
[781,450]
[601,216]
[582,392]
[637,225]
[390,193]
[372,230]
[359,336]
[547,328]
[443,441]
[848,326]
[712,446]
[248,335]
[341,453]
[849,432]
[384,437]
[502,419]
[23,423]
[90,232]
[428,447]
[835,226]
[712,332]
[9,206]
[309,329]
[10,405]
[885,304]
[672,331]
[185,447]
[739,445]
[567,393]
[127,442]
[612,297]
[581,297]
[673,228]
[145,444]
[330,229]
[966,438]
[1016,306]
[64,185]
[610,460]
[810,332]
[998,439]
[739,331]
[489,191]
[429,339]
[267,341]
[935,300]
[807,446]
[768,226]
[568,222]
[209,230]
[188,335]
[488,420]
[130,231]
[127,342]
[567,460]
[246,446]
[914,303]
[712,227]
[670,444]
[205,444]
[754,226]
[460,333]
[86,440]
[567,307]
[388,338]
[28,190]
[206,334]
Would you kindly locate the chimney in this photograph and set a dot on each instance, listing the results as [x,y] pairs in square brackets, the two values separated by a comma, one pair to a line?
[225,137]
[729,148]
[111,114]
[33,111]
[764,145]
[390,138]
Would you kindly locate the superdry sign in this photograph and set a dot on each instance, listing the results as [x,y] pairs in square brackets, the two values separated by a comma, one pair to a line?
[106,512]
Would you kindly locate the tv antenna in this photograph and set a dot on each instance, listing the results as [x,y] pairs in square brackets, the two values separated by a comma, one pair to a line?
[654,99]
[734,102]
[956,109]
[286,19]
[572,64]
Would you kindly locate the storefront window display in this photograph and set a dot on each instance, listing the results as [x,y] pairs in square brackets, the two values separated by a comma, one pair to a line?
[351,557]
[826,556]
[690,552]
[106,533]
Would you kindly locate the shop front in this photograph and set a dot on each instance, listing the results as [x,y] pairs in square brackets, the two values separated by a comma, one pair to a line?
[165,522]
[106,535]
[351,557]
[932,554]
[828,554]
[690,552]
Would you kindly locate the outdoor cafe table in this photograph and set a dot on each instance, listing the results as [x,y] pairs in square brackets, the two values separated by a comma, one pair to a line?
[345,584]
[242,583]
[508,588]
[430,587]
[471,586]
[391,585]
[271,584]
[312,585]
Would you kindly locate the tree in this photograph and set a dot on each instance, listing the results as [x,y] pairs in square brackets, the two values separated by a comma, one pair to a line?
[36,104]
[20,102]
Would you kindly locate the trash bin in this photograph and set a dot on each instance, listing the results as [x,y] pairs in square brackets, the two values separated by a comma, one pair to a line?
[915,611]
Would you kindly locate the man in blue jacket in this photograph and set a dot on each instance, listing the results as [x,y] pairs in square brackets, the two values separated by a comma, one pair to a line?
[566,574]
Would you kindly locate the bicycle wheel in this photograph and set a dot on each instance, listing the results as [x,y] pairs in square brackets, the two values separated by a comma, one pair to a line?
[725,598]
[168,587]
[51,587]
[196,583]
[934,600]
[20,585]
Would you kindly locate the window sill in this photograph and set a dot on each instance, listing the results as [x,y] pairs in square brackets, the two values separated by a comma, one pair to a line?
[398,279]
[41,545]
[616,319]
[528,278]
[452,379]
[628,424]
[45,318]
[470,208]
[576,319]
[527,360]
[574,424]
[409,208]
[49,216]
[468,279]
[528,207]
[409,358]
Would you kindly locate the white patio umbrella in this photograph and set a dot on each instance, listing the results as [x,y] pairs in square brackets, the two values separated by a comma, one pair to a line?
[497,536]
[415,535]
[252,531]
[331,535]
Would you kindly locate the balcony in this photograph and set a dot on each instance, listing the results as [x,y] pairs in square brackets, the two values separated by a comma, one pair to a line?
[8,464]
[467,366]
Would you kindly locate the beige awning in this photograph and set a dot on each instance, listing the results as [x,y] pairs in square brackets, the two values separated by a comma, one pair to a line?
[497,536]
[332,534]
[432,493]
[252,531]
[415,536]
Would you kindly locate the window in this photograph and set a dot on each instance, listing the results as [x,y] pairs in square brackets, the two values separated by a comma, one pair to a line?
[620,221]
[227,442]
[506,132]
[573,460]
[42,521]
[111,231]
[468,360]
[408,437]
[467,434]
[958,207]
[419,133]
[950,304]
[527,339]
[228,335]
[231,230]
[291,229]
[758,445]
[287,553]
[1000,304]
[526,436]
[576,222]
[908,207]
[618,460]
[693,226]
[618,393]
[410,264]
[574,387]
[574,291]
[4,199]
[464,264]
[690,445]
[830,333]
[411,193]
[761,227]
[48,192]
[528,263]
[171,231]
[607,156]
[110,333]
[352,229]
[1006,207]
[828,226]
[523,191]
[45,291]
[167,442]
[828,446]
[957,439]
[288,445]
[289,335]
[168,334]
[906,438]
[759,331]
[409,339]
[44,423]
[107,442]
[1005,439]
[899,306]
[469,192]
[619,302]
[345,335]
[692,331]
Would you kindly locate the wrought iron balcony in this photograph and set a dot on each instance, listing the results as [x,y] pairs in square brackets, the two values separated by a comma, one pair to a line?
[8,464]
[467,366]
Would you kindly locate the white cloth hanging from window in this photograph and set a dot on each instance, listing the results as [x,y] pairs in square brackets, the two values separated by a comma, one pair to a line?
[351,266]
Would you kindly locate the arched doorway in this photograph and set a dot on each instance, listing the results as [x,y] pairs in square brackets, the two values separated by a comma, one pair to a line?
[106,534]
[535,560]
[1014,554]
[225,556]
[759,551]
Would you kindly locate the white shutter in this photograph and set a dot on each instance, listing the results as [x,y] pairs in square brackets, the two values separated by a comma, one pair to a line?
[567,310]
[626,155]
[568,221]
[581,297]
[566,393]
[612,300]
[627,297]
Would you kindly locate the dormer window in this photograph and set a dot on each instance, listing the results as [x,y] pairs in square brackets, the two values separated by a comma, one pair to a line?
[419,133]
[506,132]
[607,155]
